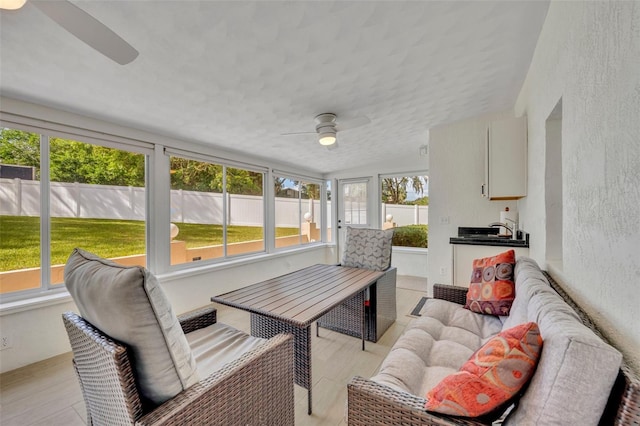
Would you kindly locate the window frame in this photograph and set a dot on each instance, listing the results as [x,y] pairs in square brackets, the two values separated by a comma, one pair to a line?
[302,179]
[46,287]
[157,191]
[225,163]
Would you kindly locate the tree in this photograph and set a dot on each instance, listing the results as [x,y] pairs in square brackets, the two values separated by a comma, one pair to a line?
[310,191]
[72,161]
[394,190]
[20,148]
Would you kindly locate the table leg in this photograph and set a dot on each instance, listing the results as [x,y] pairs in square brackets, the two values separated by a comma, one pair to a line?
[266,327]
[364,325]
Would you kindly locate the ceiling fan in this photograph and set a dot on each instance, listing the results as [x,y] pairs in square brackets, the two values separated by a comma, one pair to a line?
[82,25]
[327,127]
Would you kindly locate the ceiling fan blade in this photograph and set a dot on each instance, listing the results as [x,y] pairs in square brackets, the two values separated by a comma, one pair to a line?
[88,29]
[333,146]
[352,123]
[296,133]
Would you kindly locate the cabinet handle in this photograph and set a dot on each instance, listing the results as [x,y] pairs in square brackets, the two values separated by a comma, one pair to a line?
[482,190]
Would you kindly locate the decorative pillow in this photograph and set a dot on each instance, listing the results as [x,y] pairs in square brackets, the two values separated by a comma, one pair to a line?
[492,376]
[128,304]
[368,248]
[492,288]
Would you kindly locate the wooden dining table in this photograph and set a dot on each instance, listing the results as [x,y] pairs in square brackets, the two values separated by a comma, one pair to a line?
[290,303]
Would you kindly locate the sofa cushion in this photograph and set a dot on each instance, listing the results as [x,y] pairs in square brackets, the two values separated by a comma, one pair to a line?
[435,345]
[128,304]
[368,248]
[492,375]
[573,360]
[492,289]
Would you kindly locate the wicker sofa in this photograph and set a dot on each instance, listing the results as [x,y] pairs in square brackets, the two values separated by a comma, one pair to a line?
[579,380]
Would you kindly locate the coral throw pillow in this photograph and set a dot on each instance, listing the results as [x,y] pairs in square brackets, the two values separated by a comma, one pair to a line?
[492,288]
[492,376]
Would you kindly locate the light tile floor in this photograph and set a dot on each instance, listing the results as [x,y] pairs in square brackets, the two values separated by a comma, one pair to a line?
[47,392]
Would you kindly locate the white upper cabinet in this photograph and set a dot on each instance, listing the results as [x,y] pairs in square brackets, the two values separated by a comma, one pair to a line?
[506,160]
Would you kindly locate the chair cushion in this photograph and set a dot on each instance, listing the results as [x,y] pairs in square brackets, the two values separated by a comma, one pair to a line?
[219,344]
[368,248]
[492,288]
[491,377]
[128,304]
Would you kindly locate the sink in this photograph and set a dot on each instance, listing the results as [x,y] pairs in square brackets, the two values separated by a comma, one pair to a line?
[485,237]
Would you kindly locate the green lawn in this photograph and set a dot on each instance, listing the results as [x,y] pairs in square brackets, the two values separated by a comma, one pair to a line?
[20,238]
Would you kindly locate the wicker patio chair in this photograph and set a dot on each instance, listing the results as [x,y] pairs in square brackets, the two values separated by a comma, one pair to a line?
[370,249]
[251,383]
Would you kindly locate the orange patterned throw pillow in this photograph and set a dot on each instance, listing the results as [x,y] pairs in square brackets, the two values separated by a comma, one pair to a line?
[492,289]
[492,376]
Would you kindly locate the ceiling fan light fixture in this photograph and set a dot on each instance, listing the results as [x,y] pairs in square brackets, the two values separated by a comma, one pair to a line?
[12,4]
[327,138]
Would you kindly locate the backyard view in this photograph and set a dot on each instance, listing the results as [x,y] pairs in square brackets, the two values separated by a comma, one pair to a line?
[97,201]
[111,238]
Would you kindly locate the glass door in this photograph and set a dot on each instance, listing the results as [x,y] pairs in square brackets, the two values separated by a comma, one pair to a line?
[352,207]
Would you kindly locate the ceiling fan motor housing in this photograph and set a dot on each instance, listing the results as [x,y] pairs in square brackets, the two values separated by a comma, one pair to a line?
[326,124]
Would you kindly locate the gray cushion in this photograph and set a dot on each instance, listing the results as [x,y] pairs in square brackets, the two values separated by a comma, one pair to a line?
[128,304]
[435,346]
[219,344]
[368,248]
[576,369]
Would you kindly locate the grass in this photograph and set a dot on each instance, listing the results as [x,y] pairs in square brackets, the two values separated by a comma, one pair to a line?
[20,238]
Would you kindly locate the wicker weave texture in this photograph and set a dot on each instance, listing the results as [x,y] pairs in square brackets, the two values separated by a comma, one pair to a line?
[452,293]
[105,374]
[346,318]
[255,389]
[195,320]
[266,327]
[370,403]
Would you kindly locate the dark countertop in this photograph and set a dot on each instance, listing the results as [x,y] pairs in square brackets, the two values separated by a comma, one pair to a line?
[488,237]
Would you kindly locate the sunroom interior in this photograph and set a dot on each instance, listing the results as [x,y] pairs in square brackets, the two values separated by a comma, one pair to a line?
[412,87]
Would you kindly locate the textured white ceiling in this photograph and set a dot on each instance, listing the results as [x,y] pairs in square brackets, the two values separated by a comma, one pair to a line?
[237,74]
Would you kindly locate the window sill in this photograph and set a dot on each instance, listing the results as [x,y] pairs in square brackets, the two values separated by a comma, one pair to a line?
[212,267]
[40,300]
[56,297]
[410,250]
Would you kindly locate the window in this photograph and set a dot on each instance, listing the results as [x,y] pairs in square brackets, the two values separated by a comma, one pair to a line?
[405,207]
[19,211]
[83,195]
[97,203]
[217,211]
[297,212]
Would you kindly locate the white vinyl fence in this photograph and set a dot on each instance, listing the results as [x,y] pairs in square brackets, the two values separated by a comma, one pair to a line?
[22,198]
[406,215]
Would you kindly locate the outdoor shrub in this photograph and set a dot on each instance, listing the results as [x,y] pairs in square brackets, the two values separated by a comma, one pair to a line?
[411,236]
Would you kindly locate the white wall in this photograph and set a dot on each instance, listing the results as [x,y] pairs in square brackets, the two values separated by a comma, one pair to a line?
[588,54]
[456,172]
[38,332]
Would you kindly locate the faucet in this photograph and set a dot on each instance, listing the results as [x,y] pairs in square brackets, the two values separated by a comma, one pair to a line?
[513,228]
[500,224]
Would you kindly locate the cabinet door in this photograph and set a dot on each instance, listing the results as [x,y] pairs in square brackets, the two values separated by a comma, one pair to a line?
[506,159]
